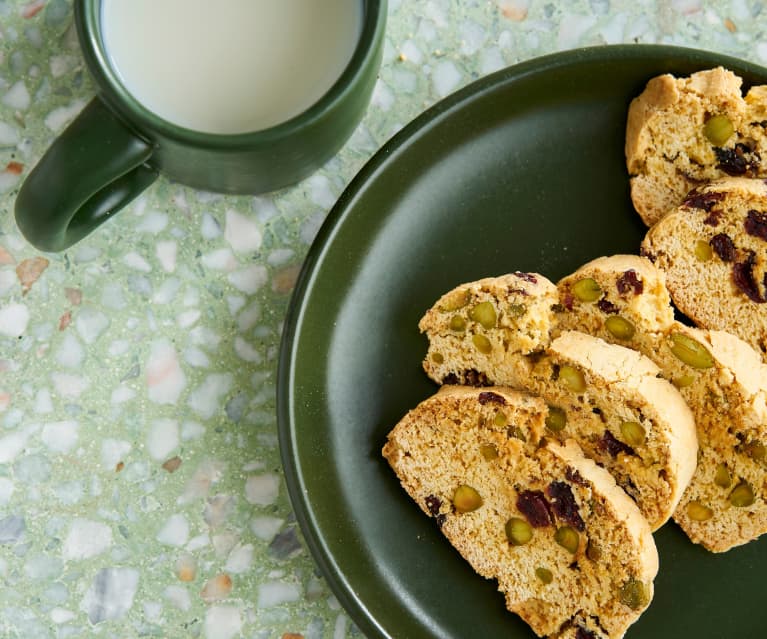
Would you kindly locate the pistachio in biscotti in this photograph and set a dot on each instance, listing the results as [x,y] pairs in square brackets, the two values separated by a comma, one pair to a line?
[488,451]
[718,129]
[485,314]
[703,251]
[568,538]
[690,351]
[698,511]
[572,378]
[466,499]
[455,302]
[633,433]
[722,477]
[634,594]
[482,344]
[742,495]
[457,323]
[518,531]
[620,328]
[587,290]
[556,420]
[544,574]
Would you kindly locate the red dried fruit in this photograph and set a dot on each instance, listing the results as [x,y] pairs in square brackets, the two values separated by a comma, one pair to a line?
[705,201]
[489,397]
[470,377]
[564,505]
[614,446]
[723,246]
[756,224]
[567,300]
[628,281]
[739,160]
[743,278]
[607,307]
[533,505]
[528,277]
[575,477]
[433,503]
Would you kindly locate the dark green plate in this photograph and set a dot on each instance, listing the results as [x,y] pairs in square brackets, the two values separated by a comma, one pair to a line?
[522,170]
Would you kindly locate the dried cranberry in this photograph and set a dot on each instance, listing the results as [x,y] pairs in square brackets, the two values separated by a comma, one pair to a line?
[433,503]
[756,224]
[528,277]
[607,307]
[740,160]
[582,633]
[567,300]
[575,477]
[564,505]
[533,505]
[473,377]
[487,397]
[630,280]
[743,277]
[723,246]
[613,446]
[705,201]
[451,378]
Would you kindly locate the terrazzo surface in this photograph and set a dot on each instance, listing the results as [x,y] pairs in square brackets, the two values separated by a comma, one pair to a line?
[140,484]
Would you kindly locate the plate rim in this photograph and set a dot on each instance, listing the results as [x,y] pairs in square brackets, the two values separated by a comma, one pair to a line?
[384,156]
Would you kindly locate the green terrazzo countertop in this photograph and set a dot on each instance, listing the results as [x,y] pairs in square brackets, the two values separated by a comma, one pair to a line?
[140,484]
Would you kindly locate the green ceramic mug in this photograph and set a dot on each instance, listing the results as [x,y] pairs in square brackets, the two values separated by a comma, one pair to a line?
[115,148]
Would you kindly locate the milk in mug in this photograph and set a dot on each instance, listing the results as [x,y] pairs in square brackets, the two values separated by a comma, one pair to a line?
[229,66]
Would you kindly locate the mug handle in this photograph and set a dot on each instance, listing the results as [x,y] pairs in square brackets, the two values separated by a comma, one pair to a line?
[91,171]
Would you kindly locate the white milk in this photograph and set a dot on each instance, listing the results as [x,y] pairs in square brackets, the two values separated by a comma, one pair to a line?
[230,66]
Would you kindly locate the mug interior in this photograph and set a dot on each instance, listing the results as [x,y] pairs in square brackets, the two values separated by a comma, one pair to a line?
[91,32]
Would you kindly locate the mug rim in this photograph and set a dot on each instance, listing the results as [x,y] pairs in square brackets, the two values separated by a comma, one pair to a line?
[114,92]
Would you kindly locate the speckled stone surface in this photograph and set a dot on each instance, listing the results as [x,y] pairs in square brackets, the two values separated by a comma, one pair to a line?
[140,484]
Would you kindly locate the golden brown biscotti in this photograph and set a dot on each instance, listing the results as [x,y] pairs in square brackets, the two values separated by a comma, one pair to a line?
[478,330]
[596,428]
[683,132]
[720,377]
[726,503]
[570,551]
[613,402]
[713,250]
[616,297]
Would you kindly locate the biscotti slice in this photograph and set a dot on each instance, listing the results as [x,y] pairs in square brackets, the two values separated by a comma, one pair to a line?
[721,378]
[713,249]
[682,132]
[569,549]
[613,402]
[726,503]
[478,330]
